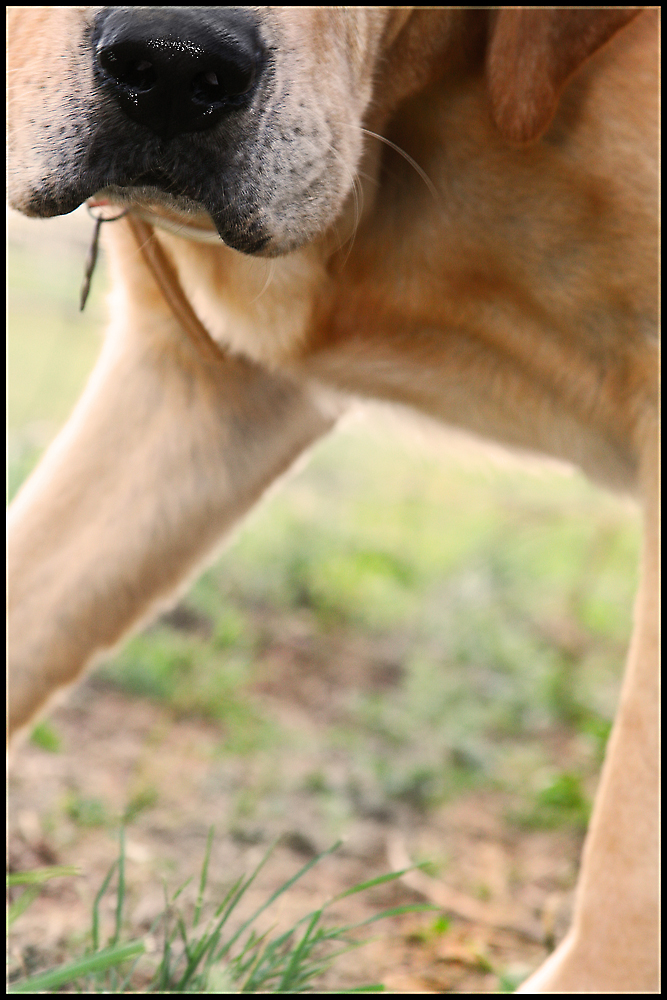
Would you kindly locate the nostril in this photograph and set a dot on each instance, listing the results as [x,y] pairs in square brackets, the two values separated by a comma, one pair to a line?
[227,82]
[206,88]
[128,70]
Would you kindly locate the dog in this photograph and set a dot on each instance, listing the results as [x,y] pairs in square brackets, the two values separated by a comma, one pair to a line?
[451,209]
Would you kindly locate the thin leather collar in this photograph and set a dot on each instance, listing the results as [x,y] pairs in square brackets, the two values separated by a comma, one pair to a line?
[170,286]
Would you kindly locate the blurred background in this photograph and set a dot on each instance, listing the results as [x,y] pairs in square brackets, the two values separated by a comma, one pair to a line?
[417,641]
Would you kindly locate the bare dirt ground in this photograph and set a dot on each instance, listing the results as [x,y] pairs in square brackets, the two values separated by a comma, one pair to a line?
[508,891]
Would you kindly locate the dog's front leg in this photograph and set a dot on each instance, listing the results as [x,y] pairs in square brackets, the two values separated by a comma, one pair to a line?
[161,456]
[613,945]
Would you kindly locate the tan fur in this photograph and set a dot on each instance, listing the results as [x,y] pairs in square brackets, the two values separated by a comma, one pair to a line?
[500,276]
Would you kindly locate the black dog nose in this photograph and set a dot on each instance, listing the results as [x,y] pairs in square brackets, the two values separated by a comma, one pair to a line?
[177,69]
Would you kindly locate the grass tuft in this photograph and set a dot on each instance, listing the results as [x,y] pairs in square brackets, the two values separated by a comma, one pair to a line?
[199,953]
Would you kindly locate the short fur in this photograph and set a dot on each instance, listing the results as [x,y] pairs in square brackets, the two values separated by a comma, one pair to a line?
[500,274]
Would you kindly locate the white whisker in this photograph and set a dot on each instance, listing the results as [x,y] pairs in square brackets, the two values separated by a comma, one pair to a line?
[401,152]
[267,282]
[357,193]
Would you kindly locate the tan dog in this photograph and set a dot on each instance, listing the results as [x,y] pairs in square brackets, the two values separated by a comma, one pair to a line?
[500,274]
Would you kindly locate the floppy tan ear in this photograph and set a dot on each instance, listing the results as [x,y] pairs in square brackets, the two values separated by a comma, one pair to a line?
[533,52]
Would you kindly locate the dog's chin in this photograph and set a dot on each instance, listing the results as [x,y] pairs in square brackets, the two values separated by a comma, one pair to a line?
[245,234]
[242,224]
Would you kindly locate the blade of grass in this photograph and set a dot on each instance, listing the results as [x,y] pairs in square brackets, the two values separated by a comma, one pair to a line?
[279,892]
[120,899]
[372,988]
[288,977]
[96,907]
[65,974]
[20,905]
[372,882]
[204,877]
[395,911]
[40,875]
[33,881]
[209,942]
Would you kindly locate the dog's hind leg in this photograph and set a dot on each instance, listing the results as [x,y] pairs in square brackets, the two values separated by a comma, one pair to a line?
[161,456]
[613,945]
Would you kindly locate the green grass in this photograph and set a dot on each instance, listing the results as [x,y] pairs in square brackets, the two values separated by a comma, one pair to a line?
[198,951]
